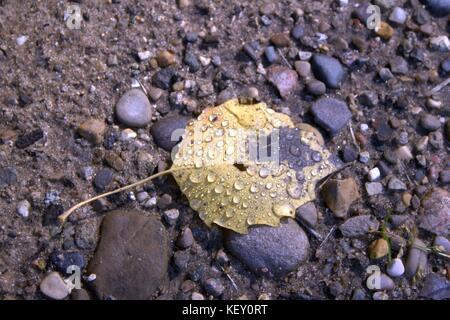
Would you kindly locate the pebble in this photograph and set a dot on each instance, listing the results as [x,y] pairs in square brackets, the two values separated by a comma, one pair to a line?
[127,134]
[103,178]
[270,251]
[213,287]
[395,268]
[430,122]
[284,79]
[303,68]
[53,286]
[438,7]
[442,243]
[385,74]
[380,296]
[378,249]
[62,260]
[364,157]
[132,256]
[417,259]
[331,114]
[339,195]
[349,153]
[304,55]
[396,184]
[164,201]
[197,296]
[165,58]
[297,32]
[144,55]
[186,239]
[404,153]
[398,15]
[435,287]
[374,188]
[440,43]
[164,78]
[385,31]
[435,215]
[398,65]
[359,226]
[316,87]
[171,216]
[23,208]
[374,174]
[307,213]
[133,109]
[92,130]
[329,70]
[191,36]
[280,40]
[271,54]
[386,283]
[21,40]
[191,60]
[167,131]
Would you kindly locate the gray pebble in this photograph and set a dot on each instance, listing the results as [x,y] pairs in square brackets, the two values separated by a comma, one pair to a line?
[331,114]
[398,65]
[133,109]
[396,184]
[430,122]
[316,87]
[329,70]
[398,15]
[268,250]
[359,226]
[213,287]
[23,208]
[364,157]
[417,259]
[436,287]
[271,54]
[385,74]
[442,243]
[171,216]
[307,213]
[103,179]
[167,131]
[374,188]
[186,239]
[439,8]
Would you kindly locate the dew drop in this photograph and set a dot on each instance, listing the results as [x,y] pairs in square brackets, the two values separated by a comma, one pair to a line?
[218,189]
[213,117]
[254,188]
[239,185]
[283,209]
[294,150]
[269,185]
[196,177]
[264,172]
[294,190]
[229,212]
[316,156]
[219,132]
[236,199]
[251,220]
[251,171]
[211,177]
[225,123]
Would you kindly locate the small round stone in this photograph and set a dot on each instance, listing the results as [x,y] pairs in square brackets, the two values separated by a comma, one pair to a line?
[23,208]
[53,286]
[133,109]
[395,268]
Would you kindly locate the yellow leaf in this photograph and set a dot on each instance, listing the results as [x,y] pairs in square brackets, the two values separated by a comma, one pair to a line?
[232,178]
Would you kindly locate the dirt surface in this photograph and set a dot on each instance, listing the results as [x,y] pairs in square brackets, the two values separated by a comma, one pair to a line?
[60,78]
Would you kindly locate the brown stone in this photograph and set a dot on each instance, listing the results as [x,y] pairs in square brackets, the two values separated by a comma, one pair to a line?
[165,58]
[339,195]
[92,130]
[132,256]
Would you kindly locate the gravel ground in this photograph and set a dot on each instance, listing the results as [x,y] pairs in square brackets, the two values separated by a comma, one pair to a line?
[63,138]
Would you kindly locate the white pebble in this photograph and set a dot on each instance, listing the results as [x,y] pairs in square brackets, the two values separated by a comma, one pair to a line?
[23,208]
[395,268]
[91,277]
[21,40]
[127,134]
[441,43]
[144,55]
[364,157]
[374,174]
[364,127]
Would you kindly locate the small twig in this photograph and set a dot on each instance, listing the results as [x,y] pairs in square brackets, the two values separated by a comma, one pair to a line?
[142,86]
[439,87]
[311,230]
[231,279]
[328,235]
[284,58]
[352,134]
[333,174]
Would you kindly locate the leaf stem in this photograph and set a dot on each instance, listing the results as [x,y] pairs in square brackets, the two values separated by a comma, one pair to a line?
[63,217]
